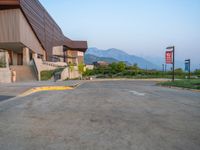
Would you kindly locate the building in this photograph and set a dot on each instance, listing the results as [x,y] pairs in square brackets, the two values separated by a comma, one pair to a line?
[101,64]
[27,31]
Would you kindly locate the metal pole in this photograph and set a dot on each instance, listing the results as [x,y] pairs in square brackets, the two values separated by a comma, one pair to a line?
[163,67]
[146,70]
[189,68]
[173,76]
[187,63]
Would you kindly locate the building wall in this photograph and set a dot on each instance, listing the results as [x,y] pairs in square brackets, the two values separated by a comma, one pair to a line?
[27,36]
[78,54]
[14,28]
[5,75]
[58,50]
[9,26]
[71,53]
[46,29]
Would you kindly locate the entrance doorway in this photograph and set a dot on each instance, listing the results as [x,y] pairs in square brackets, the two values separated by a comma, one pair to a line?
[19,59]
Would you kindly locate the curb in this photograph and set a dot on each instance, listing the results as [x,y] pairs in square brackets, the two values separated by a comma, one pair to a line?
[125,79]
[46,88]
[179,88]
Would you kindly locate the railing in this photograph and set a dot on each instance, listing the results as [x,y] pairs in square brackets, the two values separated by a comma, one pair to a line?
[35,69]
[53,64]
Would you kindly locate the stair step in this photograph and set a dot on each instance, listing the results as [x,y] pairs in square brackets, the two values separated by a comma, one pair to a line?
[24,73]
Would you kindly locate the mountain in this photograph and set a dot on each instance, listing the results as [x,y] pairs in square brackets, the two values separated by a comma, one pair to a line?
[89,59]
[122,56]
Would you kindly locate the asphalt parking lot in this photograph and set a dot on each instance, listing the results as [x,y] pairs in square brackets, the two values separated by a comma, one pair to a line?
[111,115]
[5,97]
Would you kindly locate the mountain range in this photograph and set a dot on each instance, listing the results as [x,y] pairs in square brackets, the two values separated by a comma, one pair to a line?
[90,59]
[114,55]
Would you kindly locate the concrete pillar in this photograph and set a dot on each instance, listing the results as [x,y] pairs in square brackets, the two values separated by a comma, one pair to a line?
[26,57]
[77,61]
[7,59]
[44,56]
[35,56]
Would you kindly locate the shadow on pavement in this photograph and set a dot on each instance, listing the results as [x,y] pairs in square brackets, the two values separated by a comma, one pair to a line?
[5,97]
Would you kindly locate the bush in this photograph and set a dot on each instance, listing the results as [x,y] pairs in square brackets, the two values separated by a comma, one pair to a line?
[2,63]
[46,75]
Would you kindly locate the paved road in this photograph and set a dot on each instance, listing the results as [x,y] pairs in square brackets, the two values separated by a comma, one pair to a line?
[5,97]
[117,115]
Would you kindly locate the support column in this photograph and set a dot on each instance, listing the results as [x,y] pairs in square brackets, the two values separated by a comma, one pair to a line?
[26,57]
[7,59]
[35,56]
[77,61]
[44,56]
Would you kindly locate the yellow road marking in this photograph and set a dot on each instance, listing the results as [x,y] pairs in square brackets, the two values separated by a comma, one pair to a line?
[45,88]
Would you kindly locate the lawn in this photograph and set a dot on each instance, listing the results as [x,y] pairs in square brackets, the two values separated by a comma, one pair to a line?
[186,83]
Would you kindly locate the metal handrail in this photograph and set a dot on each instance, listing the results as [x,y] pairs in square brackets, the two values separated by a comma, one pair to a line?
[35,67]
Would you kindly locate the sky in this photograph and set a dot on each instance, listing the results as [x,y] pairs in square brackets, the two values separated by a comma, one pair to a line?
[140,27]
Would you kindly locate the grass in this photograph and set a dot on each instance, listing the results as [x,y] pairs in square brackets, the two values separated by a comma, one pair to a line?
[139,76]
[186,83]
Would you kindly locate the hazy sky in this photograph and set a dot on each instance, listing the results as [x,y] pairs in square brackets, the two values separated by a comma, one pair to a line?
[140,27]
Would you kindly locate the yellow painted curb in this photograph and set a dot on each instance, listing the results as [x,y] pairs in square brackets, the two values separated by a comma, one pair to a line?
[45,88]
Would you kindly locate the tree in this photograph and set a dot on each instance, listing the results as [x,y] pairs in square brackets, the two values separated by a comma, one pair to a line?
[71,69]
[121,66]
[135,68]
[81,67]
[197,72]
[178,71]
[113,67]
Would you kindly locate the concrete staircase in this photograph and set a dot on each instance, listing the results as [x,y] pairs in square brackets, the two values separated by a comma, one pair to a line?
[24,73]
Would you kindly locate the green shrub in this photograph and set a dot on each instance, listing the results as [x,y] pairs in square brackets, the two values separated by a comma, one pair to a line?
[46,75]
[2,63]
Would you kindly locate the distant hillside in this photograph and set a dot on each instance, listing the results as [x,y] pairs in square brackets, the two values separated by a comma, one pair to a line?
[89,59]
[120,55]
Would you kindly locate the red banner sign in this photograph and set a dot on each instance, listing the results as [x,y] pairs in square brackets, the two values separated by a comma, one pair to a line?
[168,57]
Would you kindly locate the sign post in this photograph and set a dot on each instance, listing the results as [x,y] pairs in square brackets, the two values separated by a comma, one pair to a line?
[187,66]
[170,59]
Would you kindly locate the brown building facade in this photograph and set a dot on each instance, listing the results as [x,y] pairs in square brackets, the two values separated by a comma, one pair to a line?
[28,31]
